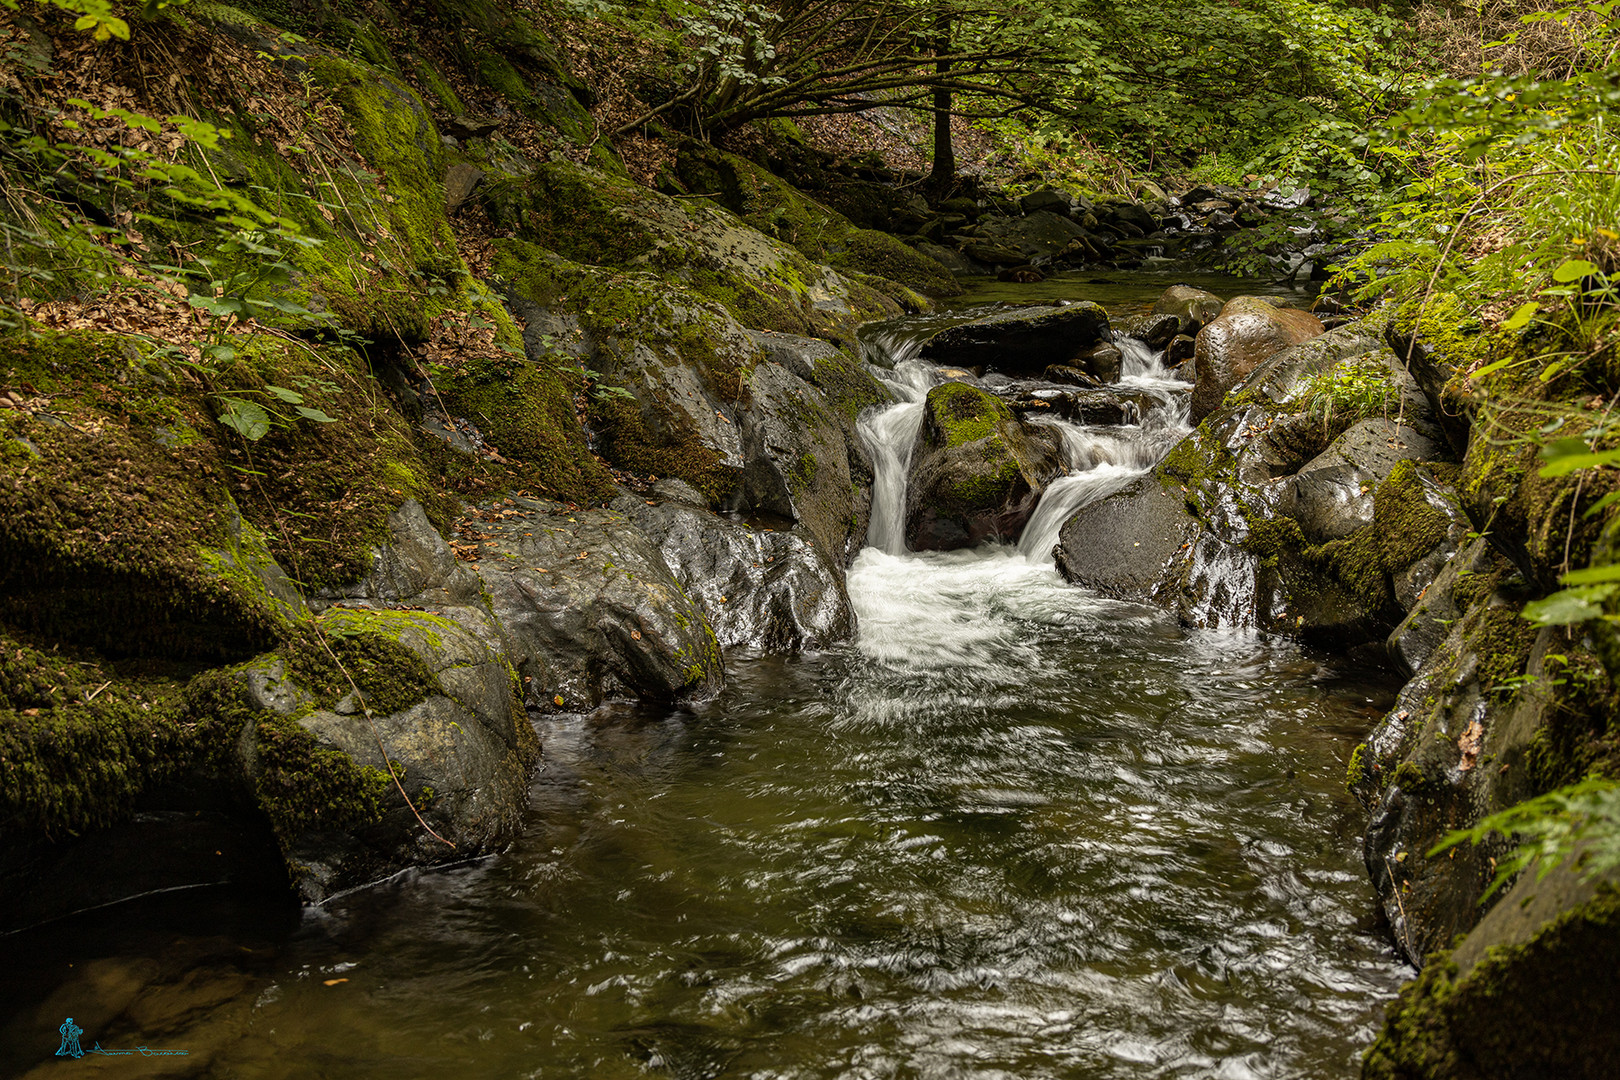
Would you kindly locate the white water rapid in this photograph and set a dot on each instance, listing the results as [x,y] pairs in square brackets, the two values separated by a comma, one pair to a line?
[1100,459]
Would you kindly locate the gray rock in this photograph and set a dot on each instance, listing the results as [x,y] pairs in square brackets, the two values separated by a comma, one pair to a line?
[761,588]
[1120,545]
[798,355]
[1332,495]
[1040,236]
[795,451]
[1021,340]
[588,609]
[672,490]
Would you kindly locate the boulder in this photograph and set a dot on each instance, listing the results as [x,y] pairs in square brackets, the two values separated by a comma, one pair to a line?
[1248,332]
[1103,362]
[1120,545]
[1021,339]
[951,259]
[1533,990]
[1157,330]
[587,608]
[1332,495]
[1046,201]
[1041,236]
[976,474]
[994,252]
[761,588]
[1193,308]
[1452,750]
[794,448]
[441,702]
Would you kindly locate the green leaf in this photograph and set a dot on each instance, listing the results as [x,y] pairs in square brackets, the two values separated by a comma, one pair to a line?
[1564,465]
[291,397]
[1574,270]
[316,415]
[1592,575]
[245,418]
[1569,606]
[1519,319]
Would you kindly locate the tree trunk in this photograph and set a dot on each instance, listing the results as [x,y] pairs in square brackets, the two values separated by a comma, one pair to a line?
[943,173]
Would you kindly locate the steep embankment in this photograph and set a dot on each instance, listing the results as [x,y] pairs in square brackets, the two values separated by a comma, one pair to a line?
[290,313]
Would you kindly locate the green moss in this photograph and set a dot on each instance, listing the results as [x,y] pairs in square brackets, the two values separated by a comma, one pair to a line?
[79,744]
[390,676]
[847,386]
[298,784]
[1356,773]
[107,529]
[1543,1008]
[962,413]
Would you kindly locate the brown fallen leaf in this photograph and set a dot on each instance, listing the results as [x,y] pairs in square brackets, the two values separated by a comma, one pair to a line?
[1473,737]
[333,982]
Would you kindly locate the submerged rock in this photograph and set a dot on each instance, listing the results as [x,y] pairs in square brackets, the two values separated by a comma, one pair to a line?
[1021,340]
[976,473]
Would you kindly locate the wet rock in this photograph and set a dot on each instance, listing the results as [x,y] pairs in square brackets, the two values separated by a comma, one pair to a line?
[1087,405]
[1040,235]
[1449,753]
[1531,991]
[1436,607]
[1021,275]
[1067,373]
[1193,308]
[1157,330]
[794,447]
[976,474]
[588,609]
[761,588]
[1102,362]
[1019,340]
[463,751]
[1238,341]
[415,564]
[1332,495]
[1120,545]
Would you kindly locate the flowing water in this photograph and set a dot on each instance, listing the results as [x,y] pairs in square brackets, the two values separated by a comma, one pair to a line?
[1014,830]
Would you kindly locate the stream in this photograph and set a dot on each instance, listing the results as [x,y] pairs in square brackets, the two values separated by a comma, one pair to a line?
[1012,830]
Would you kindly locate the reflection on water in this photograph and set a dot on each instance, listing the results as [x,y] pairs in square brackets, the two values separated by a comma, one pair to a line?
[1016,831]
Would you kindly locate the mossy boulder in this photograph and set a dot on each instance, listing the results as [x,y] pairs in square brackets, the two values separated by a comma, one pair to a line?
[444,706]
[776,208]
[1191,308]
[976,473]
[1534,990]
[595,218]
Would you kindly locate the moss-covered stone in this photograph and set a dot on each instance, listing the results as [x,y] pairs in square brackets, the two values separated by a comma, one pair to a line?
[1539,1007]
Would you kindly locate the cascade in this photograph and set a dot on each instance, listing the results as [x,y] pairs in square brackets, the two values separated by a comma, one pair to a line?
[1100,460]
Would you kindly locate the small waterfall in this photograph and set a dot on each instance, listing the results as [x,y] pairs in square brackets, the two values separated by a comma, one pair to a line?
[889,435]
[1099,460]
[1139,359]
